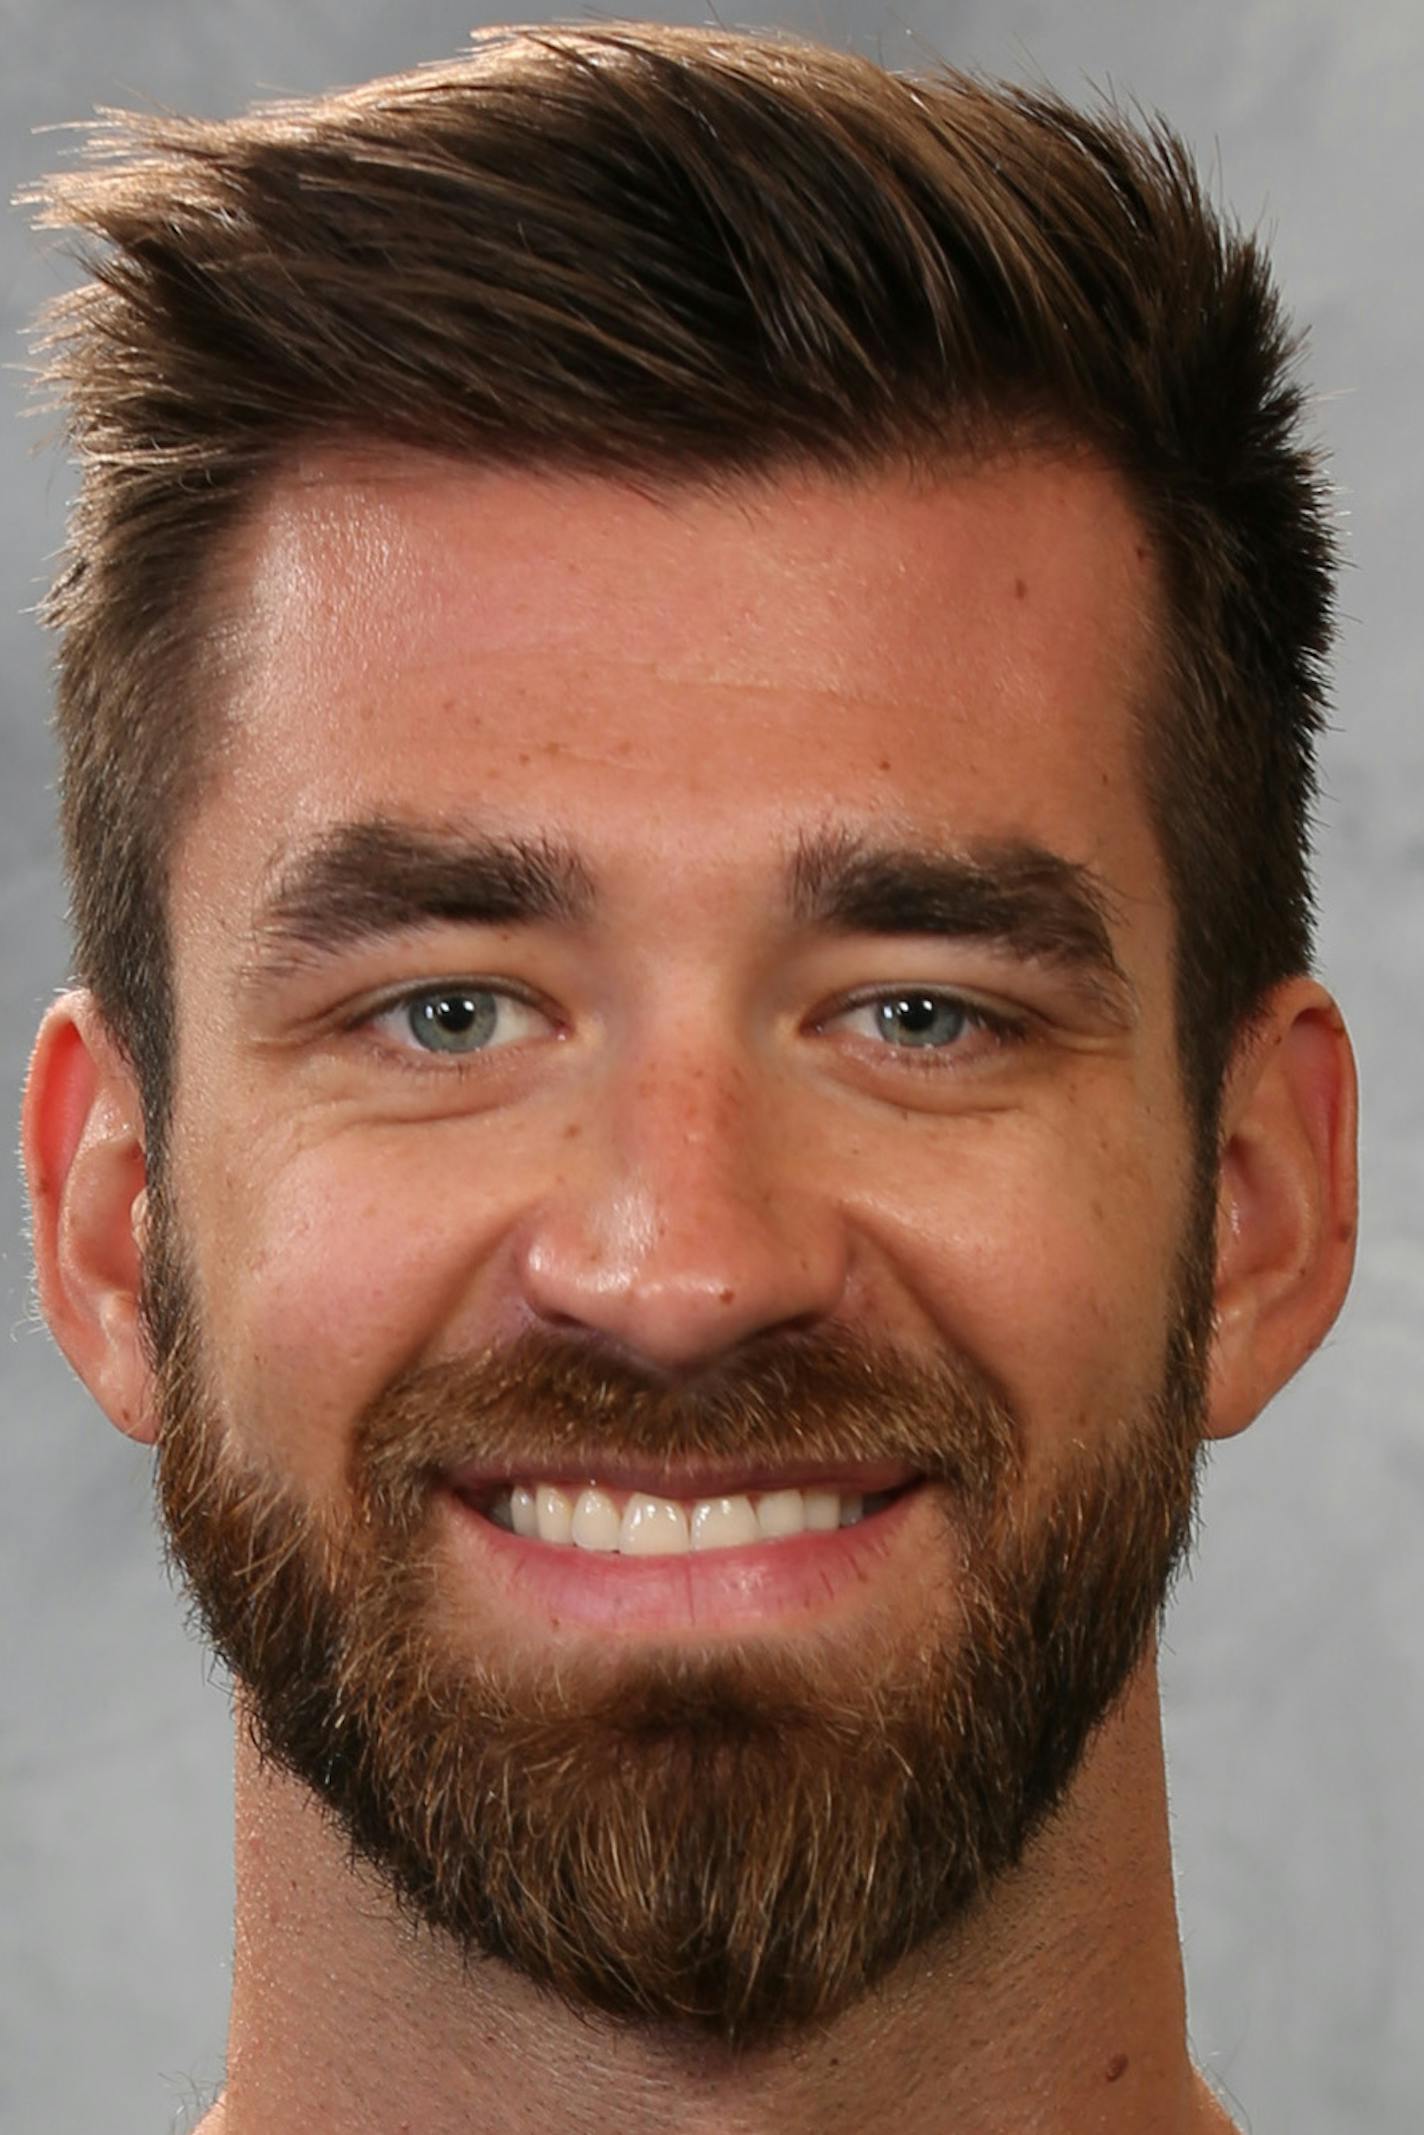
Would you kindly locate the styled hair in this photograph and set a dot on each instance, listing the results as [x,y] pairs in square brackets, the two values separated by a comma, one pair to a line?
[680,256]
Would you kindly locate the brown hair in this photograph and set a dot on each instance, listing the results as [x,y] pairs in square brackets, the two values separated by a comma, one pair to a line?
[680,255]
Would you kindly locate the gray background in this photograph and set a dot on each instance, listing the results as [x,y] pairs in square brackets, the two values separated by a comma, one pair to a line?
[1295,1719]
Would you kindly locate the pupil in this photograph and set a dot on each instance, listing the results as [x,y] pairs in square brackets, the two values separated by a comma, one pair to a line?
[447,1021]
[913,1017]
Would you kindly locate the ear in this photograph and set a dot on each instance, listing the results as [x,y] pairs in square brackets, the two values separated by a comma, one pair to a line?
[1287,1200]
[82,1139]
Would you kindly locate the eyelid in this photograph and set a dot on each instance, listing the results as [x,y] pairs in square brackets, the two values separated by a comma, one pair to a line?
[371,1013]
[1003,1025]
[975,1005]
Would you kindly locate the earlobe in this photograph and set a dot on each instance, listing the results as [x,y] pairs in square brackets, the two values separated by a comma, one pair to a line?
[84,1162]
[1287,1200]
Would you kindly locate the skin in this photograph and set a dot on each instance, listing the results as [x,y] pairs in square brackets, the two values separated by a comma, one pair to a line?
[699,1144]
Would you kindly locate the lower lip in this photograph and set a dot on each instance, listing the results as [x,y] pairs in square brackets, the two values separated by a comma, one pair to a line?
[763,1584]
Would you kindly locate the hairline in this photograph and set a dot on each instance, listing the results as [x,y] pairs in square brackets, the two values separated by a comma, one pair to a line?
[216,633]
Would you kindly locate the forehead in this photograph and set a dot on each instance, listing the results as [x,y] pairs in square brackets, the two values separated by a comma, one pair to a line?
[698,672]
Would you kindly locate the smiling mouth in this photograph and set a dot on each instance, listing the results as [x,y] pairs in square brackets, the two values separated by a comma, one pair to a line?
[620,1517]
[741,1556]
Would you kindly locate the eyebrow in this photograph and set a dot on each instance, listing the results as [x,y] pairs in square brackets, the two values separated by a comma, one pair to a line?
[1012,894]
[378,877]
[372,879]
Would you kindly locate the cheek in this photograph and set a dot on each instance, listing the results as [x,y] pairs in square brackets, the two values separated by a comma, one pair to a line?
[1050,1257]
[329,1269]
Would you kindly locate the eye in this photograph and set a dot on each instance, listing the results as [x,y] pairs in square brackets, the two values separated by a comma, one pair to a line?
[917,1019]
[458,1020]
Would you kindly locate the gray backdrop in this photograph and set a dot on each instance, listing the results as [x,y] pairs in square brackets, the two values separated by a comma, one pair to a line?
[1293,1672]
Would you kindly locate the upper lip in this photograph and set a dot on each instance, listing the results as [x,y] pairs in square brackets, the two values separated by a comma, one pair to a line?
[868,1478]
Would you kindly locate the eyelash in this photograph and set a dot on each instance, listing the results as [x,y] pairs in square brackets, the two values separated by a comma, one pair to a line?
[421,1060]
[1004,1027]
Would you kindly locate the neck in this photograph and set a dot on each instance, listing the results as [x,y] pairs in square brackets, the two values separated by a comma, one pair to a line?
[1060,2010]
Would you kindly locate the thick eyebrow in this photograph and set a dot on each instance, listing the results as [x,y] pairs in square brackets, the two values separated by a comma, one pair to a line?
[377,877]
[1012,894]
[371,879]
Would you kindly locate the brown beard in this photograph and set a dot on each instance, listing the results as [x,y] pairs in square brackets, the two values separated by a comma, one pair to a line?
[739,1839]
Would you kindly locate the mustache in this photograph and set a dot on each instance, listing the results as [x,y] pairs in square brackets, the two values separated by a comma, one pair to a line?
[550,1402]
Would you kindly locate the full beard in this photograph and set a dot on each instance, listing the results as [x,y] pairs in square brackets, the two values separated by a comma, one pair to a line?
[744,1838]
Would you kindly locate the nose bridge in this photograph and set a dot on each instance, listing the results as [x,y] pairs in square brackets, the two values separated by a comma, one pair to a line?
[690,1218]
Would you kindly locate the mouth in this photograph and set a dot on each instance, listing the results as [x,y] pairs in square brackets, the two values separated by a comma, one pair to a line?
[659,1513]
[693,1550]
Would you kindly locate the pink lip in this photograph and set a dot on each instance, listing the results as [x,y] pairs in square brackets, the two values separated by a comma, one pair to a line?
[706,1591]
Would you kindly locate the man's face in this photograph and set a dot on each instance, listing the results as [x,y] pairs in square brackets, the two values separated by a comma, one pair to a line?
[677,997]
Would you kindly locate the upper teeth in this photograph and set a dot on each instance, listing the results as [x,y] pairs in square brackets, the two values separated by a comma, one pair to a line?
[662,1527]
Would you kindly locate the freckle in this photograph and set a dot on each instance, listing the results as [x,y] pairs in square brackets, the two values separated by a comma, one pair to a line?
[726,1297]
[1020,589]
[524,756]
[1117,2066]
[885,763]
[572,1131]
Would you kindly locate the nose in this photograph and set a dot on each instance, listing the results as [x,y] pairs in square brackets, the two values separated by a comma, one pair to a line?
[693,1216]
